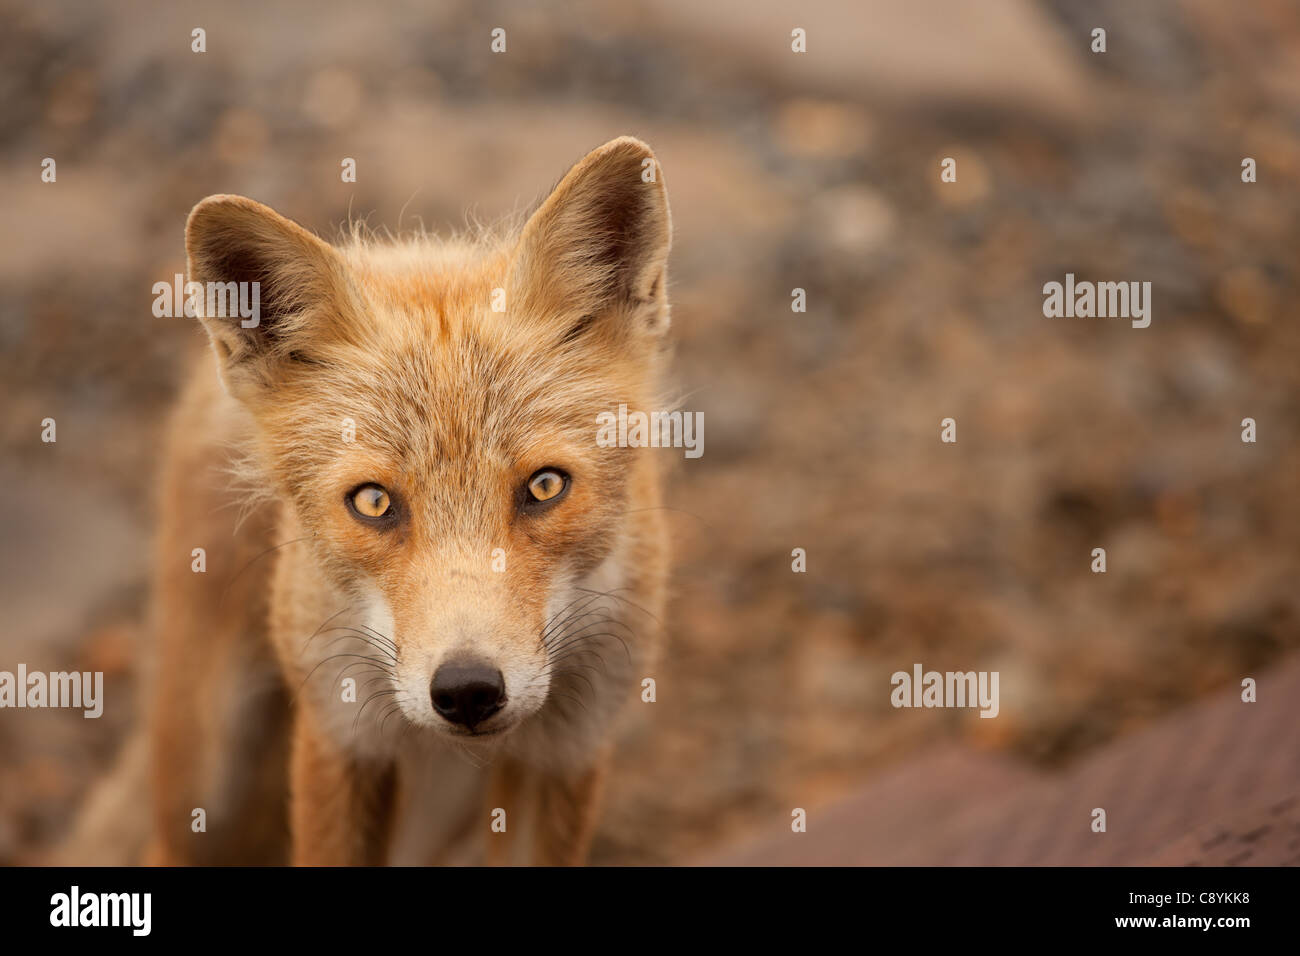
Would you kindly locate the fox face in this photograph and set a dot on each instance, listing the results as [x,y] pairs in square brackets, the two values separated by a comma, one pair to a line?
[423,414]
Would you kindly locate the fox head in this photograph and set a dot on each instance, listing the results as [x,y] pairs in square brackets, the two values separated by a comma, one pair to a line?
[425,413]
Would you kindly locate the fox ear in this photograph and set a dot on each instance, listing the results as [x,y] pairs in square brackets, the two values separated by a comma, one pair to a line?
[295,281]
[599,242]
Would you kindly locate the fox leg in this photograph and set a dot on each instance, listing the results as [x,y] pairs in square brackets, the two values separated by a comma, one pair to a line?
[218,713]
[342,809]
[550,817]
[233,770]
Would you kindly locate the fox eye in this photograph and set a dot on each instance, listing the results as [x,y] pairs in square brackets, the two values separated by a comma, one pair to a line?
[547,485]
[370,501]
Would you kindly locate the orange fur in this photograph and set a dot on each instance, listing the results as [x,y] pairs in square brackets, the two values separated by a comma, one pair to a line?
[453,407]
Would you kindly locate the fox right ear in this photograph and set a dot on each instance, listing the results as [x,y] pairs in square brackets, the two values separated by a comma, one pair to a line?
[284,271]
[599,243]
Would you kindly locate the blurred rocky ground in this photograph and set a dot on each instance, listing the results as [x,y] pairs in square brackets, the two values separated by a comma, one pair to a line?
[817,171]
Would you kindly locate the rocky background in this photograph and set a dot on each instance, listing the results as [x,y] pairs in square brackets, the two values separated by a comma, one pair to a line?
[818,171]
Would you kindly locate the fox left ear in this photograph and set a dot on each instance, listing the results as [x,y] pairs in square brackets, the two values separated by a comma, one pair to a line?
[599,243]
[303,291]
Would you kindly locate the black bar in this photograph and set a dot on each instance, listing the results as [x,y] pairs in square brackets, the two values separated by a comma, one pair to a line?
[330,907]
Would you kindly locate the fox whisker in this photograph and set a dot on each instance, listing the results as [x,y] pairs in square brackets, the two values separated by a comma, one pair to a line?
[362,710]
[618,597]
[317,632]
[561,618]
[578,633]
[357,635]
[378,661]
[285,544]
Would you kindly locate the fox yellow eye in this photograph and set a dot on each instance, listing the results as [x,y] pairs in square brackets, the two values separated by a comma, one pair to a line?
[547,484]
[371,501]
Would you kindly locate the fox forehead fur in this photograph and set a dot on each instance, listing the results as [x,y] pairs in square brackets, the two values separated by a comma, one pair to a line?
[394,364]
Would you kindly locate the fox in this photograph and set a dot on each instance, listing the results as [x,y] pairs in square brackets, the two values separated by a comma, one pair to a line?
[427,593]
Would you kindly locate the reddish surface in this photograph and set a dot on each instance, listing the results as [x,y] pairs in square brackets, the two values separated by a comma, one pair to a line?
[1173,795]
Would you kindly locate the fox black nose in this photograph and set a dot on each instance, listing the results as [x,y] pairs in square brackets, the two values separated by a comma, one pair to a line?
[467,693]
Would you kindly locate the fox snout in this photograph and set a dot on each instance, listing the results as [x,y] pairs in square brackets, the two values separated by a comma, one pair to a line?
[467,692]
[476,687]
